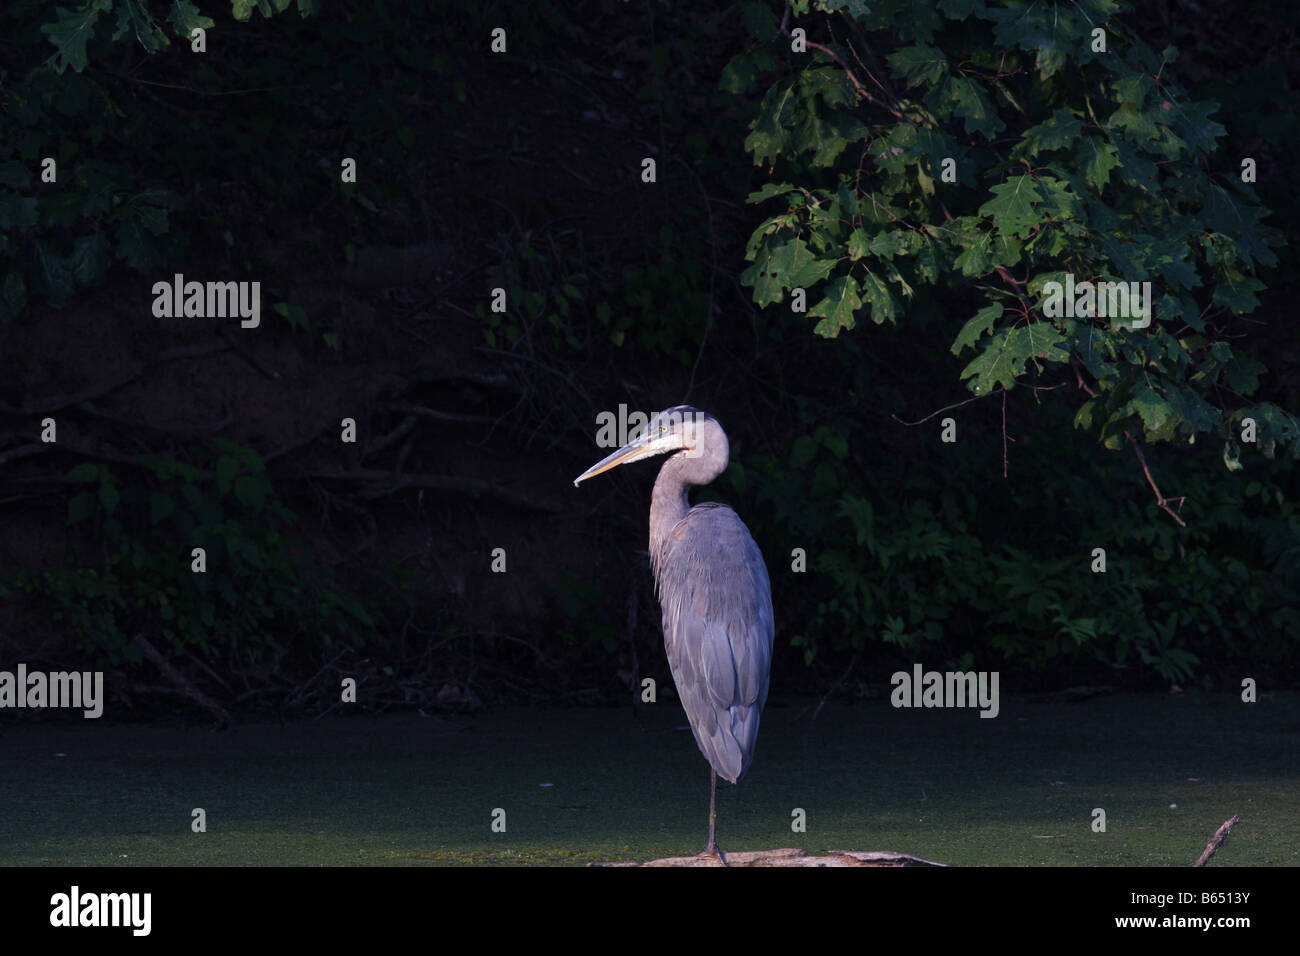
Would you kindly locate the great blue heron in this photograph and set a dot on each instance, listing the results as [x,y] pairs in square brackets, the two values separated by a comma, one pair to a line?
[714,591]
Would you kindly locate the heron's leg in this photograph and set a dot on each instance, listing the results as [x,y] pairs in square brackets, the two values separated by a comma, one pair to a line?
[712,848]
[713,809]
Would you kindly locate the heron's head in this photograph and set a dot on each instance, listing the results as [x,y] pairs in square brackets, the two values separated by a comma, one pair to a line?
[674,430]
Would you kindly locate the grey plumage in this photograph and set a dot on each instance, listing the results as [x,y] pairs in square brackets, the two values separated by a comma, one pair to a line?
[713,589]
[717,620]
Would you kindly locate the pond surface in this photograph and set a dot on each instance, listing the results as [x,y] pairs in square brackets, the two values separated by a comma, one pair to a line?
[583,785]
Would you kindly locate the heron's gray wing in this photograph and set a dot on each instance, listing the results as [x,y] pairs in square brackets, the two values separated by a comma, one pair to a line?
[718,625]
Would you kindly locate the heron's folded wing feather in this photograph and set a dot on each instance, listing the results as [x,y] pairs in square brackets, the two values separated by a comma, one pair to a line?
[718,628]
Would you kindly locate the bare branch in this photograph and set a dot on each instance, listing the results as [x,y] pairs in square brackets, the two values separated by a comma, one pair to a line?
[1161,500]
[939,411]
[857,84]
[1220,835]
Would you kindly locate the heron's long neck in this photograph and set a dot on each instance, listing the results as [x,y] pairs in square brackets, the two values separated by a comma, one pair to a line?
[669,504]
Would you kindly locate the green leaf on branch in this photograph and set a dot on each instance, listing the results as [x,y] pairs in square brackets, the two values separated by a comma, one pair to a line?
[1099,158]
[797,266]
[1012,208]
[839,308]
[919,64]
[185,18]
[975,327]
[975,259]
[1058,132]
[1005,355]
[884,307]
[72,31]
[972,104]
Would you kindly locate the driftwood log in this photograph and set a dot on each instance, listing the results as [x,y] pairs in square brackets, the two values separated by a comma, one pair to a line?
[788,857]
[1218,839]
[793,857]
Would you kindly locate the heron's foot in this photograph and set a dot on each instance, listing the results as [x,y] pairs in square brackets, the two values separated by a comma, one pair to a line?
[714,853]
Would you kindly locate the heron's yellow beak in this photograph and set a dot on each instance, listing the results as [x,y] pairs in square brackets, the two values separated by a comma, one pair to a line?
[653,442]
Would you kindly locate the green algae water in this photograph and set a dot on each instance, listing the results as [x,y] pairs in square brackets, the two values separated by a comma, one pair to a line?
[581,785]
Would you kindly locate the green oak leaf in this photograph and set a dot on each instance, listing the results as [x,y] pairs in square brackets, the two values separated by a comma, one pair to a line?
[839,308]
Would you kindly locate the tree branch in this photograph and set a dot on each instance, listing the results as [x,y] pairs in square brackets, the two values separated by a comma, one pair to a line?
[857,84]
[1220,835]
[1161,500]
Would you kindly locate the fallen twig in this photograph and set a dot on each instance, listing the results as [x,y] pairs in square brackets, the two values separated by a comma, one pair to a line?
[1220,835]
[186,686]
